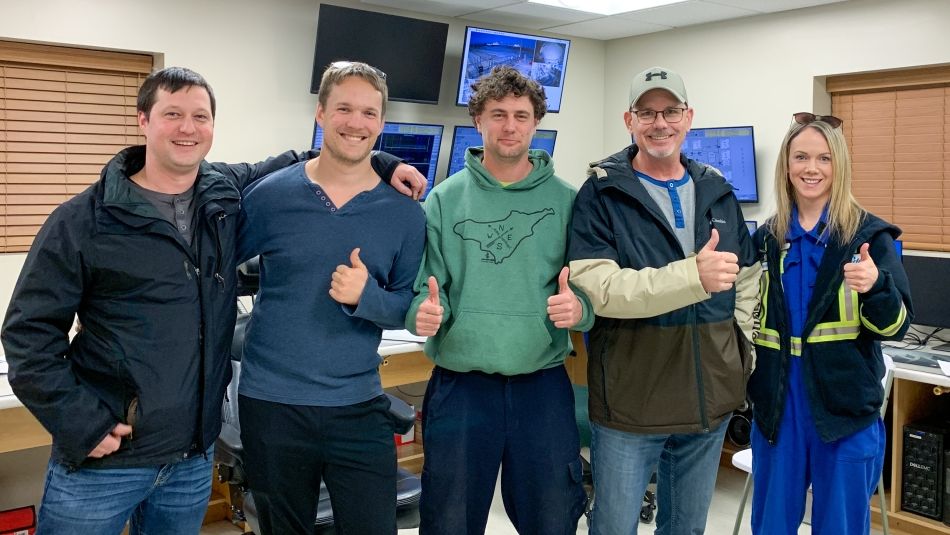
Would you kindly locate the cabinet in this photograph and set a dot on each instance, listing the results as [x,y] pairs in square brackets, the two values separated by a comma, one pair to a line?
[912,399]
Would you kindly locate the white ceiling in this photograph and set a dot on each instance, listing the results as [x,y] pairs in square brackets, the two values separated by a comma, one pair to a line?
[521,14]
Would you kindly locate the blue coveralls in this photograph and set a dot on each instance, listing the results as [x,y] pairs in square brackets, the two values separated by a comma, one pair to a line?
[844,473]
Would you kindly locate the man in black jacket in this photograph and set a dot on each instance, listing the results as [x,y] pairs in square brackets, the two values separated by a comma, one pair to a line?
[145,258]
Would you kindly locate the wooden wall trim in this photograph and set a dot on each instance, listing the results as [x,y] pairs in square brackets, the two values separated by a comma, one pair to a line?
[916,78]
[63,56]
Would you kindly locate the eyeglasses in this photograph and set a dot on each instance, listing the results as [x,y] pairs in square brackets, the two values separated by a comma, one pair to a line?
[670,115]
[357,66]
[803,117]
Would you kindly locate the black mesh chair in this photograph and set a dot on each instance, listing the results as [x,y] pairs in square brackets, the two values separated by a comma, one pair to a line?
[229,452]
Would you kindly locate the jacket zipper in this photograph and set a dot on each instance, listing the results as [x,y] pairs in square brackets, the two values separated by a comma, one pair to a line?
[217,242]
[785,345]
[697,362]
[603,378]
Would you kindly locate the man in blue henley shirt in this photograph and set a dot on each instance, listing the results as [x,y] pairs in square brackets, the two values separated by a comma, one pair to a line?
[335,271]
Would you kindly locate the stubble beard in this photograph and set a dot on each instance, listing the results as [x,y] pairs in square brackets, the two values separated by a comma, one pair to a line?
[344,158]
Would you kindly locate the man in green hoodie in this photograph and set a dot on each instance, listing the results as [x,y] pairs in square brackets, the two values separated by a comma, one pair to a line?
[493,298]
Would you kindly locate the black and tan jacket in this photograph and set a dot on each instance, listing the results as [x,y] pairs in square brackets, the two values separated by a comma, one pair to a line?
[665,356]
[840,345]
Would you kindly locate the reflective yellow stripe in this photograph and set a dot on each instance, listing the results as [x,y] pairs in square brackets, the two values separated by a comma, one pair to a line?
[832,337]
[767,338]
[796,346]
[847,303]
[764,336]
[890,330]
[848,327]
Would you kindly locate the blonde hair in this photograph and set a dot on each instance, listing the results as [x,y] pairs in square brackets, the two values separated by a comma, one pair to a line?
[844,212]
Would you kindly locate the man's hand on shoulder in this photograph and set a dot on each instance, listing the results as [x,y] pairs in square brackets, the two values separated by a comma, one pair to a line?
[409,181]
[717,270]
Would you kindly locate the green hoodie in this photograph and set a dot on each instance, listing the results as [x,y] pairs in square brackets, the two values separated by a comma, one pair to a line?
[496,253]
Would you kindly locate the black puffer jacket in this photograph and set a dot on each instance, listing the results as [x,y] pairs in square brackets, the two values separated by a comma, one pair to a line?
[157,317]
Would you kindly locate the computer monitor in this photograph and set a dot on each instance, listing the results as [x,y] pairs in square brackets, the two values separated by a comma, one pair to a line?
[417,144]
[410,51]
[929,289]
[543,59]
[731,150]
[467,136]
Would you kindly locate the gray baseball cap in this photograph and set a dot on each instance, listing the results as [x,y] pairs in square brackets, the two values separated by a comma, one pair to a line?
[657,78]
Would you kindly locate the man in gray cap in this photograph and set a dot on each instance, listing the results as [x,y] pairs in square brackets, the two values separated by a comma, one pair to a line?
[659,244]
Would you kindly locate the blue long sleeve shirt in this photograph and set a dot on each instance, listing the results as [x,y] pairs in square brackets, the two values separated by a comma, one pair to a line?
[302,347]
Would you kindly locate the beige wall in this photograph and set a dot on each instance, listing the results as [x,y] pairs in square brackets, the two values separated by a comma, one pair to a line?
[760,70]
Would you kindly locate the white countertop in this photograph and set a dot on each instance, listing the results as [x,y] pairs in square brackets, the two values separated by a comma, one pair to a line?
[921,377]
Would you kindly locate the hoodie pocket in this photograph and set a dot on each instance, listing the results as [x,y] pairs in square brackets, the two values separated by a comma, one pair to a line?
[496,343]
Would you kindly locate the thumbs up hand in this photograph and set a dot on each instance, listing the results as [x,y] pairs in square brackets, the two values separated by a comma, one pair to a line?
[348,282]
[564,309]
[860,276]
[717,270]
[429,314]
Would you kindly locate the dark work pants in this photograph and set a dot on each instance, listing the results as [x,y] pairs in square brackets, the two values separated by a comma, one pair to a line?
[288,448]
[475,422]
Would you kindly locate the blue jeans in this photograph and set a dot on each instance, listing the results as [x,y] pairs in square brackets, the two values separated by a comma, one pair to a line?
[623,464]
[167,499]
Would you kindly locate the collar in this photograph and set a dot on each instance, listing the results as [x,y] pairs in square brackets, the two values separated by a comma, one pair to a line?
[818,234]
[664,183]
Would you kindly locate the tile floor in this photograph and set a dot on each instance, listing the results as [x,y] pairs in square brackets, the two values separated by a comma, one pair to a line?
[722,513]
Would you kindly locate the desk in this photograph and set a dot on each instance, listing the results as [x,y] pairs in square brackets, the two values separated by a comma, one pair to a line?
[403,363]
[19,430]
[911,400]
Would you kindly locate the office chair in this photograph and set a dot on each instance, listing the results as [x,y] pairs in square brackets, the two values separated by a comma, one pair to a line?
[743,459]
[229,452]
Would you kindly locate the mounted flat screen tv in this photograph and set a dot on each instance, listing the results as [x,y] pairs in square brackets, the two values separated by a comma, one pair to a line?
[417,144]
[467,136]
[542,58]
[731,150]
[410,51]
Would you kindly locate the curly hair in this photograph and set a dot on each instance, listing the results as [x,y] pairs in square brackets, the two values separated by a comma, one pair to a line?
[504,81]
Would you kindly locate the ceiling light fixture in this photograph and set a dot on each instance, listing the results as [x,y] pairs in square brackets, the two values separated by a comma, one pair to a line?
[606,7]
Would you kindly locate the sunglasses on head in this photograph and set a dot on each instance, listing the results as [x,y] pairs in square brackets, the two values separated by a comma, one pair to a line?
[803,117]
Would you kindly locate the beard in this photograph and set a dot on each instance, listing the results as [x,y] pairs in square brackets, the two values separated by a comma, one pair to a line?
[660,154]
[508,154]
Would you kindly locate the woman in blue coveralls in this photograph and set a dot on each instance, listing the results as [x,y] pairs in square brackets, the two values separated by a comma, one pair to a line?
[833,289]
